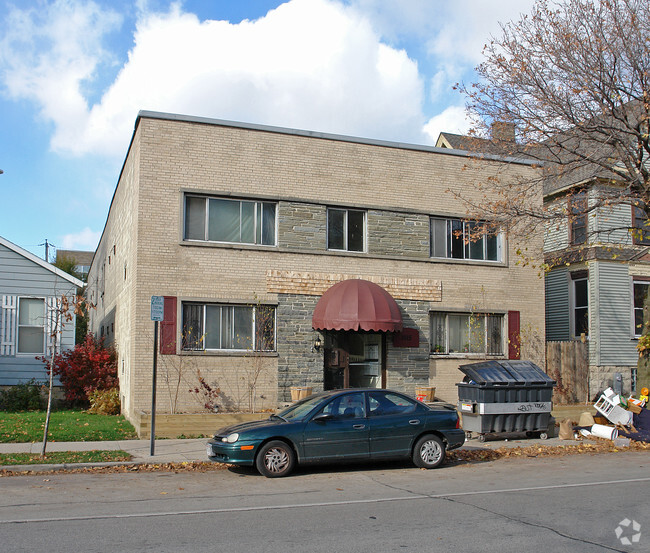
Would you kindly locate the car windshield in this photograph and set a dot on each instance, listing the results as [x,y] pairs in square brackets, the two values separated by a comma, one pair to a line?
[298,410]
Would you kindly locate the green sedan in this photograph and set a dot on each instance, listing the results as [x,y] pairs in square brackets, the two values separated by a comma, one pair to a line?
[342,425]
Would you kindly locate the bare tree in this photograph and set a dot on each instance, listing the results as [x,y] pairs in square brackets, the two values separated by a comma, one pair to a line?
[572,82]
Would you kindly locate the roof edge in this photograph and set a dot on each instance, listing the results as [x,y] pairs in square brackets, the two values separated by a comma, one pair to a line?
[35,259]
[144,114]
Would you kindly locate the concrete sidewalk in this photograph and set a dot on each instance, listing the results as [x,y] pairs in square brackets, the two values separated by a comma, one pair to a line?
[186,450]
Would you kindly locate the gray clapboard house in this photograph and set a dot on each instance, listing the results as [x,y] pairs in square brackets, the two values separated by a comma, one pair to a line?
[599,276]
[29,288]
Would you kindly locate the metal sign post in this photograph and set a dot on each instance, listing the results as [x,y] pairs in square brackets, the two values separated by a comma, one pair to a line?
[157,315]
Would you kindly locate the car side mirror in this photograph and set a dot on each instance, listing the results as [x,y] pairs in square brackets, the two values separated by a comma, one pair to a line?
[323,417]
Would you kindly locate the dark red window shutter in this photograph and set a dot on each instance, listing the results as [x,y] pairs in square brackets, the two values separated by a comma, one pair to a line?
[168,328]
[514,337]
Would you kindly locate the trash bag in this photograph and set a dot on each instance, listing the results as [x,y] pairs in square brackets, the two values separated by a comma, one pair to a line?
[641,423]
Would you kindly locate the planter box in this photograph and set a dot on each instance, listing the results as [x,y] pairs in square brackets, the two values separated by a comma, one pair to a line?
[199,424]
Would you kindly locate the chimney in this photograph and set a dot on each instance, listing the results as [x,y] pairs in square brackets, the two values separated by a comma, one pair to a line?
[503,132]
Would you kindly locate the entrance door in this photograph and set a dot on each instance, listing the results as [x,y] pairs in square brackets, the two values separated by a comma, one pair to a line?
[354,360]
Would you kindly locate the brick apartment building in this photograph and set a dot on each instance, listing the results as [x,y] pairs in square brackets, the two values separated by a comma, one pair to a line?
[293,258]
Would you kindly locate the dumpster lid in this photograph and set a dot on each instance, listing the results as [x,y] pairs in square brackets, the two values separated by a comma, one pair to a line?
[504,373]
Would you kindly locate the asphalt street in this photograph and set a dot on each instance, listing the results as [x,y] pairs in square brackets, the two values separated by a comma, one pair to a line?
[571,503]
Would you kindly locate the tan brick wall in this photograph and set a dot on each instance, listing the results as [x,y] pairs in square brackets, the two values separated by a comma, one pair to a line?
[168,158]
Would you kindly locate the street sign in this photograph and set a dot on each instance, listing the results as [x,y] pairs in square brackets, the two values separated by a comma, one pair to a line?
[157,308]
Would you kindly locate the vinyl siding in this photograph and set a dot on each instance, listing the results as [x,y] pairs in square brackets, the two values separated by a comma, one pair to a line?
[20,276]
[612,224]
[557,305]
[612,309]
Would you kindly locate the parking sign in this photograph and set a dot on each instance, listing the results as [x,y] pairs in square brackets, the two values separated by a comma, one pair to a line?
[157,308]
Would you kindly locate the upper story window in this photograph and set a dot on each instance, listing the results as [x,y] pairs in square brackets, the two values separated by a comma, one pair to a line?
[208,326]
[455,333]
[231,221]
[640,226]
[578,218]
[458,239]
[640,291]
[346,229]
[31,325]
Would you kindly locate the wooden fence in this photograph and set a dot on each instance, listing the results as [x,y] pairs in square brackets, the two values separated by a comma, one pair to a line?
[568,364]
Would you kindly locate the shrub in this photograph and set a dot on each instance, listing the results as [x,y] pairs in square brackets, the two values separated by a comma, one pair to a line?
[22,397]
[89,366]
[105,402]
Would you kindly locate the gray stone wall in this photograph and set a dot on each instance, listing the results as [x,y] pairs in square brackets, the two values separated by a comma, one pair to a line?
[398,234]
[302,226]
[297,365]
[407,368]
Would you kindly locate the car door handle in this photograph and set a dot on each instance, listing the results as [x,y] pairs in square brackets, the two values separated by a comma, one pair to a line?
[414,422]
[359,426]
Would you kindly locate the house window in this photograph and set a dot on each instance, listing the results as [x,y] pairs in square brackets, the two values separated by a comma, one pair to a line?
[228,327]
[578,218]
[346,229]
[458,239]
[31,325]
[580,306]
[480,333]
[640,292]
[640,226]
[230,221]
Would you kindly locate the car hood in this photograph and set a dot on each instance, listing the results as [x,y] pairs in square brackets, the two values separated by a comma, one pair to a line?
[248,426]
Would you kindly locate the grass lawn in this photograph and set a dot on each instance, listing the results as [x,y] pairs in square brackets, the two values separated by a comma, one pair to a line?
[59,457]
[65,426]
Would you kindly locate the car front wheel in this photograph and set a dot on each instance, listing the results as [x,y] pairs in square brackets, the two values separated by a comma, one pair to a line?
[429,452]
[275,459]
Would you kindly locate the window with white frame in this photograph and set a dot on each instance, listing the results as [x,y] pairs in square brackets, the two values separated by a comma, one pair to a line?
[230,221]
[459,239]
[640,291]
[31,325]
[466,333]
[208,326]
[346,229]
[580,306]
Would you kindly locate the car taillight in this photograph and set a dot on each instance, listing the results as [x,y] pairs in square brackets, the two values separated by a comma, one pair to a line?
[457,422]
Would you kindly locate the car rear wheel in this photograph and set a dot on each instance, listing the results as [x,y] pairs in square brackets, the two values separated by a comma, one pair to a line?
[275,459]
[429,452]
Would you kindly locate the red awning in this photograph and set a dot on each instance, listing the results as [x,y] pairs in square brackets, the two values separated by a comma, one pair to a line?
[357,305]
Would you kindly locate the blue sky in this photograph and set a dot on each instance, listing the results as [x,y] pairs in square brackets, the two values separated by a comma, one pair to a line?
[75,73]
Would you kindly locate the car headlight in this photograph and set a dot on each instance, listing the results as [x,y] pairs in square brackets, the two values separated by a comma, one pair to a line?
[231,438]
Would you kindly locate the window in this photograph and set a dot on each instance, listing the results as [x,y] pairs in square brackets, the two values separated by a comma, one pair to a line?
[349,406]
[31,325]
[346,229]
[480,333]
[578,218]
[387,403]
[231,221]
[228,327]
[640,226]
[640,292]
[580,306]
[458,239]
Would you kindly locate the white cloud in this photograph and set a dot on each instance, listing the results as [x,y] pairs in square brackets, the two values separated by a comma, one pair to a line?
[85,239]
[313,64]
[452,120]
[50,55]
[466,26]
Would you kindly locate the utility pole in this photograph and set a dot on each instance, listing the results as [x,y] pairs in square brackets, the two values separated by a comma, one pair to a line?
[47,250]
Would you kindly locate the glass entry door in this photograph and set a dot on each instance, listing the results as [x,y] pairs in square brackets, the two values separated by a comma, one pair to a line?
[353,360]
[365,360]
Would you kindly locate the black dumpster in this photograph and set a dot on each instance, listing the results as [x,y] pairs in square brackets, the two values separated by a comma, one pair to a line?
[505,396]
